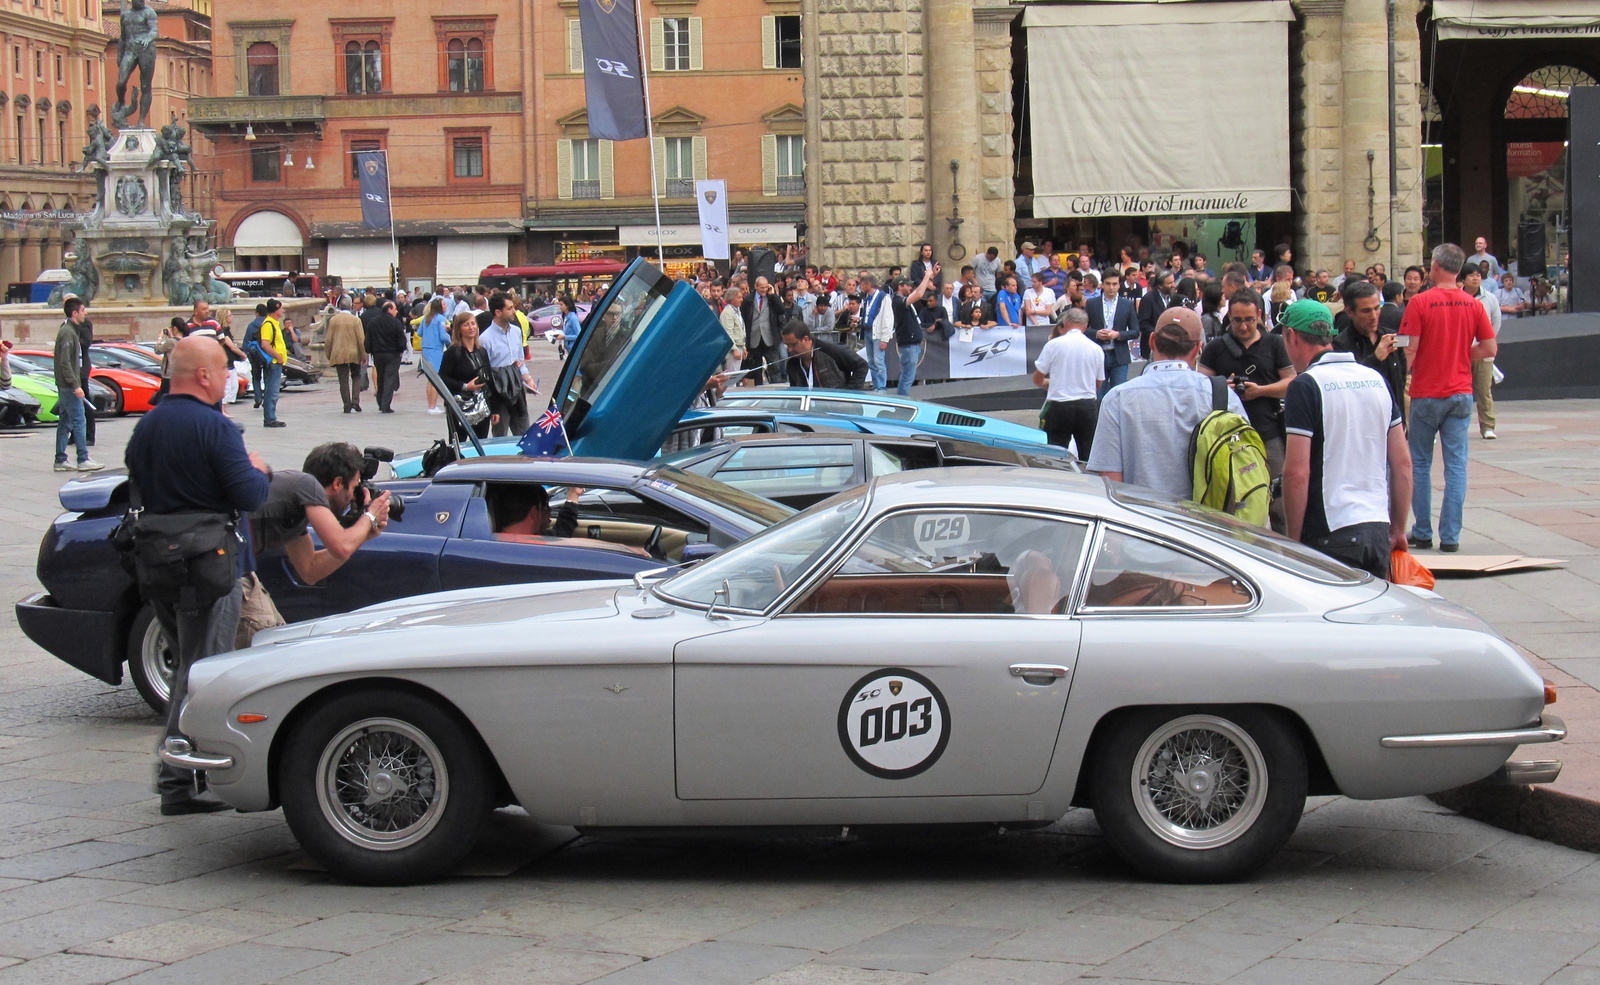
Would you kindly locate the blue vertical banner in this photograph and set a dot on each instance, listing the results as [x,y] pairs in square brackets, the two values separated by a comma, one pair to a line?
[613,80]
[372,169]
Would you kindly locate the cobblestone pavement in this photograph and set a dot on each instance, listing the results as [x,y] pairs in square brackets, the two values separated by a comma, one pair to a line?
[96,886]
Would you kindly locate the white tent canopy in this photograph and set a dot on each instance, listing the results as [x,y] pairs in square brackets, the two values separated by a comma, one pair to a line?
[460,259]
[268,234]
[1137,64]
[360,262]
[1514,19]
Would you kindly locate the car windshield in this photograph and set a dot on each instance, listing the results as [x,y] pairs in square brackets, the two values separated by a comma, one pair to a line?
[1262,544]
[35,366]
[126,357]
[719,497]
[760,569]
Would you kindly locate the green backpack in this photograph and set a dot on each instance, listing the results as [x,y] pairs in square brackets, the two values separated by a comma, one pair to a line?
[1229,462]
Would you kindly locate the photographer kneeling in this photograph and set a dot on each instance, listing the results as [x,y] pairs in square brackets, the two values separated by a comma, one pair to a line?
[329,488]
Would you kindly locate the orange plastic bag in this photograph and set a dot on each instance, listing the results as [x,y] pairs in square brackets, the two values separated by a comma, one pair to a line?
[1405,569]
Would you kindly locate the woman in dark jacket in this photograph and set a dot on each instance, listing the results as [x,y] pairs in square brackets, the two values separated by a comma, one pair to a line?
[465,366]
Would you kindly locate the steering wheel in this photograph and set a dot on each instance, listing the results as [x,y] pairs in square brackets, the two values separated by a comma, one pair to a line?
[653,545]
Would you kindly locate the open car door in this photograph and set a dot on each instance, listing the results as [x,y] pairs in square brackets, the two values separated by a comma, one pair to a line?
[643,355]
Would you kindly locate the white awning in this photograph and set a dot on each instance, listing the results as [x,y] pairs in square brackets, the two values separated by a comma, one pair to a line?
[267,234]
[1143,67]
[360,262]
[462,258]
[1514,19]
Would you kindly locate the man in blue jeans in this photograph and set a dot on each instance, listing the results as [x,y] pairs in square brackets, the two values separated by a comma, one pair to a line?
[71,382]
[1443,330]
[908,331]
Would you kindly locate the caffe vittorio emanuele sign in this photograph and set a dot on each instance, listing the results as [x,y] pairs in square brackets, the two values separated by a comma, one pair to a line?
[1174,203]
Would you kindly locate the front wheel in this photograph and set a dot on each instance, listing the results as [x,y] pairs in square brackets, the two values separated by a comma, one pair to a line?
[384,787]
[151,660]
[1199,795]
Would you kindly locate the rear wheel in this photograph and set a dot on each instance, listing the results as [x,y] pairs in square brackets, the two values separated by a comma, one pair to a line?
[1199,795]
[384,787]
[118,401]
[151,660]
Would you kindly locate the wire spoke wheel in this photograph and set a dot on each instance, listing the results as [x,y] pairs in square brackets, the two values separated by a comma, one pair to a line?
[1199,782]
[382,784]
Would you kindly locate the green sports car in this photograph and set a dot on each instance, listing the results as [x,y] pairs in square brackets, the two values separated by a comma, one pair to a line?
[38,379]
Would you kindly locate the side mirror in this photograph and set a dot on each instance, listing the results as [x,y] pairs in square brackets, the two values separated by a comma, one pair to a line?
[698,552]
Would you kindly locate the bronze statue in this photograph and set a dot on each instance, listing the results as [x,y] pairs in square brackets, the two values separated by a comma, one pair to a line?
[136,48]
[97,155]
[177,155]
[85,282]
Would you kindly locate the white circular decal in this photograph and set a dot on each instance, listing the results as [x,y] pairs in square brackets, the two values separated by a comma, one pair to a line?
[941,532]
[894,723]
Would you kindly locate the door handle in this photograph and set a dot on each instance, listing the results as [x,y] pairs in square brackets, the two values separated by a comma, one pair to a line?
[1040,673]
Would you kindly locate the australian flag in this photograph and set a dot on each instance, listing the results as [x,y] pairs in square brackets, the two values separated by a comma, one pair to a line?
[547,438]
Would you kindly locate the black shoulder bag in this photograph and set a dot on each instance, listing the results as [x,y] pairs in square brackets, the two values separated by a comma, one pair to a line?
[185,560]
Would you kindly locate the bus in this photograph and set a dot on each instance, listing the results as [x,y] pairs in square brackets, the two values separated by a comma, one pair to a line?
[269,283]
[556,279]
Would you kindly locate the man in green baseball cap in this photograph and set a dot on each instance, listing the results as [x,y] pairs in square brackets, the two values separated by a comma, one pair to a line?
[1347,470]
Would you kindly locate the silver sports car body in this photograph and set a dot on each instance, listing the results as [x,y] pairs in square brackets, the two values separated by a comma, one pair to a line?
[965,645]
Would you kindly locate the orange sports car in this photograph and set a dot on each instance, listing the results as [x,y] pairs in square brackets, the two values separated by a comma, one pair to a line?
[129,382]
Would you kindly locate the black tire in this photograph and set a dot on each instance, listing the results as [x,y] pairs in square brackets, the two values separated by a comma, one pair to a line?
[1246,795]
[438,767]
[118,402]
[147,645]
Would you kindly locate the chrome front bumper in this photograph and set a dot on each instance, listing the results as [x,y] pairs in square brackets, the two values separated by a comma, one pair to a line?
[1549,729]
[179,754]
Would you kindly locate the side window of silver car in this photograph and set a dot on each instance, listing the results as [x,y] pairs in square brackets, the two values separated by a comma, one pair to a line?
[1132,572]
[942,562]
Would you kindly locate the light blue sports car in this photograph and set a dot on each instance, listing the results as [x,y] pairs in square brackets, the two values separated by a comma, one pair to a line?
[862,403]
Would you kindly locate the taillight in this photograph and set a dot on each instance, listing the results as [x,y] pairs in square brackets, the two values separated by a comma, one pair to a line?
[1549,693]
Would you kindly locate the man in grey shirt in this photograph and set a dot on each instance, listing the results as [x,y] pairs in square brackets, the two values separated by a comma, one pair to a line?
[1142,437]
[985,267]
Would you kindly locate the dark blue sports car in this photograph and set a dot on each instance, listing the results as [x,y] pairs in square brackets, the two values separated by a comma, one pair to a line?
[644,354]
[631,518]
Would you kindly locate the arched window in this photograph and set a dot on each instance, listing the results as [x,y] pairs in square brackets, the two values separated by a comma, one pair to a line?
[372,57]
[475,65]
[456,55]
[1542,93]
[261,60]
[352,67]
[363,68]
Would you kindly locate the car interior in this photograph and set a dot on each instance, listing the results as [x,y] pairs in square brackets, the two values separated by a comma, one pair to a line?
[614,519]
[1001,564]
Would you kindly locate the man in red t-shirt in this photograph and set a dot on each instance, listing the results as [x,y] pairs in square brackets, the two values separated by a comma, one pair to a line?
[1445,328]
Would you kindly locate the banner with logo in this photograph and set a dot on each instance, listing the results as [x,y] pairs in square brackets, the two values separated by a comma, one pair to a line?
[989,352]
[372,171]
[613,87]
[712,198]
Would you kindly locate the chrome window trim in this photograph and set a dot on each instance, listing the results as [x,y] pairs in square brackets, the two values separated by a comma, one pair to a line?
[1107,526]
[831,563]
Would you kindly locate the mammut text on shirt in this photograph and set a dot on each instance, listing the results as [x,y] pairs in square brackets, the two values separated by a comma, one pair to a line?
[1443,322]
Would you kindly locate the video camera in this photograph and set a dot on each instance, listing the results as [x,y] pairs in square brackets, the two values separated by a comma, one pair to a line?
[372,459]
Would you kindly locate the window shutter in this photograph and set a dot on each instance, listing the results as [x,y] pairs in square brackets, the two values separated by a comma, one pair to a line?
[658,148]
[769,164]
[769,42]
[658,45]
[574,45]
[699,150]
[563,169]
[697,48]
[608,182]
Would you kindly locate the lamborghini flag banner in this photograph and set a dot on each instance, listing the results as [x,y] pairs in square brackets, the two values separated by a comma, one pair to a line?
[612,82]
[372,170]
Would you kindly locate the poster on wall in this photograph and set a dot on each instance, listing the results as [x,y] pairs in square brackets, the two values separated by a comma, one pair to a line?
[1536,189]
[1221,239]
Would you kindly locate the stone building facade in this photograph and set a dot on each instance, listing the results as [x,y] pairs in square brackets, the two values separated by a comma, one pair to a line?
[904,145]
[899,90]
[1340,113]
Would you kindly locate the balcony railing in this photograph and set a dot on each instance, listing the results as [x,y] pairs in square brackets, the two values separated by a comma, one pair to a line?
[588,190]
[791,184]
[680,188]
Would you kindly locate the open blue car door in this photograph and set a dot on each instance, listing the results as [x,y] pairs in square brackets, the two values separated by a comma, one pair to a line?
[641,358]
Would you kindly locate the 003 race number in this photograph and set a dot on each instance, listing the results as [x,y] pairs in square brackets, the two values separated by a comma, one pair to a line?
[894,723]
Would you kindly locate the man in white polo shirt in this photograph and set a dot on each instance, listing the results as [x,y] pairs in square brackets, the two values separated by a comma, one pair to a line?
[1347,469]
[1070,367]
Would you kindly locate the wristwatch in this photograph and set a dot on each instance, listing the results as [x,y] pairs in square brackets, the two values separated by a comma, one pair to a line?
[371,519]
